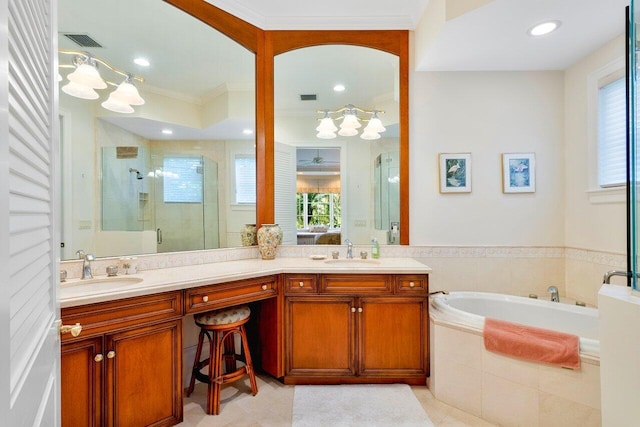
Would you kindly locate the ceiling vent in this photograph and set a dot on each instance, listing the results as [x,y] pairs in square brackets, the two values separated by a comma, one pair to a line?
[309,97]
[83,40]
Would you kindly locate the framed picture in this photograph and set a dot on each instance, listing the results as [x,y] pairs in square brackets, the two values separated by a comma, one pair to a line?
[519,172]
[455,172]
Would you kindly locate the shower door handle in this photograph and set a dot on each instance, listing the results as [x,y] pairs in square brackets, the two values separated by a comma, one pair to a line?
[159,236]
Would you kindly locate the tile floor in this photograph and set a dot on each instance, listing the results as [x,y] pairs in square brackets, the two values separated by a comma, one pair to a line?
[273,406]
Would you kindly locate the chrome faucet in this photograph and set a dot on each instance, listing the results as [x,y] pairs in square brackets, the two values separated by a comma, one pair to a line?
[349,249]
[554,293]
[86,266]
[607,276]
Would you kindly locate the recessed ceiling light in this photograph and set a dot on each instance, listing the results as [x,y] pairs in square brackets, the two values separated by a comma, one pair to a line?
[248,132]
[544,28]
[339,88]
[143,62]
[167,131]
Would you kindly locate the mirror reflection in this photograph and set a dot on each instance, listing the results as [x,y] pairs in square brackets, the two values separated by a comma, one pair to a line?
[172,169]
[337,145]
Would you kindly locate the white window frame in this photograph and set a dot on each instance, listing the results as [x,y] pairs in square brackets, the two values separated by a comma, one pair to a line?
[305,211]
[233,180]
[595,193]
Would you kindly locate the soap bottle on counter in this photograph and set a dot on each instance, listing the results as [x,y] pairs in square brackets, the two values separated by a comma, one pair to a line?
[375,248]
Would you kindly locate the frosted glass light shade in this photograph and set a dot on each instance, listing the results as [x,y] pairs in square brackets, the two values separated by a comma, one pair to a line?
[375,125]
[127,93]
[87,75]
[80,91]
[350,121]
[326,135]
[347,132]
[116,106]
[369,135]
[327,125]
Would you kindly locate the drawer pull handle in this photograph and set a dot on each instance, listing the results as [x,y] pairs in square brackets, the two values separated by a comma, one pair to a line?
[264,287]
[359,309]
[98,357]
[73,329]
[301,284]
[111,354]
[205,298]
[411,284]
[353,309]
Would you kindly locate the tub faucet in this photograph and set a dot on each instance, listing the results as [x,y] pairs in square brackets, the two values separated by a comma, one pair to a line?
[607,276]
[349,249]
[86,266]
[554,293]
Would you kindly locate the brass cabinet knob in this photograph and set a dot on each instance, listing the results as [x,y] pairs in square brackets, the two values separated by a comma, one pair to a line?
[264,287]
[353,309]
[301,284]
[359,309]
[73,329]
[111,354]
[205,298]
[98,357]
[411,284]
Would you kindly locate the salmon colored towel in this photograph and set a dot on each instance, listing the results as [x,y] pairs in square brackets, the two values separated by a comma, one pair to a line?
[536,344]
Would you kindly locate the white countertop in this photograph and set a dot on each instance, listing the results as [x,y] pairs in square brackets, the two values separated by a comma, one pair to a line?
[79,292]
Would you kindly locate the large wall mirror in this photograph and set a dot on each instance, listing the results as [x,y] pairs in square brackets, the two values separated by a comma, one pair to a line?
[178,172]
[337,147]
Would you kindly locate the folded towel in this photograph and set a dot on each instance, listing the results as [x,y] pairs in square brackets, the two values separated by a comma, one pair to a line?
[530,343]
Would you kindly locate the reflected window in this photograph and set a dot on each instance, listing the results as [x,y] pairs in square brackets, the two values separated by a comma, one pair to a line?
[318,209]
[245,179]
[182,179]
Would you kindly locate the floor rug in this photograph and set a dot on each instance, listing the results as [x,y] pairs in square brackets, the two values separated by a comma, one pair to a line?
[357,405]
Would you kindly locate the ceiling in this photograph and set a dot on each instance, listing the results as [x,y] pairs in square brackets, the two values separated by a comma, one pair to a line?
[191,60]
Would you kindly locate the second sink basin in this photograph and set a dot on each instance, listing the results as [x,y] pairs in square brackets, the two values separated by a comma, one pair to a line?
[354,261]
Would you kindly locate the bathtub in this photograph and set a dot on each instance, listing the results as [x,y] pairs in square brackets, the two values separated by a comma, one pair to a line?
[470,308]
[505,390]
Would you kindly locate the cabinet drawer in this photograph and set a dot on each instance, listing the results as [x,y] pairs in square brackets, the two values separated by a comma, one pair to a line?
[300,283]
[412,284]
[356,283]
[212,297]
[108,316]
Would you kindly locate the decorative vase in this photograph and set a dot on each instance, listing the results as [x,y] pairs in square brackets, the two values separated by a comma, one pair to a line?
[248,235]
[269,237]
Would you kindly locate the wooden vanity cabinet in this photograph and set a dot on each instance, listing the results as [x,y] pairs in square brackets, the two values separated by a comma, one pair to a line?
[125,367]
[357,329]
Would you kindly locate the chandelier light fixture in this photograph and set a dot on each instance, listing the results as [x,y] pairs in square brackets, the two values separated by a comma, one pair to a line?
[86,78]
[350,123]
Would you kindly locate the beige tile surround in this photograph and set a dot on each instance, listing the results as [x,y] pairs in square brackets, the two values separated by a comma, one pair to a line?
[516,270]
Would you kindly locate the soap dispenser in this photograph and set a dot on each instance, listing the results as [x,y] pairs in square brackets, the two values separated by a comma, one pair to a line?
[375,248]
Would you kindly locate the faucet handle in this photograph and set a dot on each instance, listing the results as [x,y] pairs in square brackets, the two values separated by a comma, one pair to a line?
[80,254]
[552,289]
[89,257]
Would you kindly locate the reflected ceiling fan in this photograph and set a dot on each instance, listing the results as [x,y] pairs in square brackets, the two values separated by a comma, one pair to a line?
[318,160]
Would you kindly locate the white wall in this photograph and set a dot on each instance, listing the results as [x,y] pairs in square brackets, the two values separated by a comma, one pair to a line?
[486,114]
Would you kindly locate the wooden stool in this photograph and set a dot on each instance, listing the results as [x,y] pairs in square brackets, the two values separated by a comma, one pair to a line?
[220,327]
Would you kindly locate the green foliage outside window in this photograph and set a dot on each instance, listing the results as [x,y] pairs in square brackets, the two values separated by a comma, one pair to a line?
[318,209]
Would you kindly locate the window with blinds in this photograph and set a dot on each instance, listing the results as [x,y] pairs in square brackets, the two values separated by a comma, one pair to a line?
[612,154]
[245,182]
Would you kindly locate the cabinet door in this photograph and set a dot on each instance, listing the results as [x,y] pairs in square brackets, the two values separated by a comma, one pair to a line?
[320,336]
[81,382]
[144,376]
[392,336]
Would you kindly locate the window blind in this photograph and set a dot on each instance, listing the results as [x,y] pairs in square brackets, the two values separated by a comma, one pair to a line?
[245,179]
[612,129]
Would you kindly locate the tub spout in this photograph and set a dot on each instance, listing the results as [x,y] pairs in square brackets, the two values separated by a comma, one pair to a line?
[439,292]
[554,293]
[607,276]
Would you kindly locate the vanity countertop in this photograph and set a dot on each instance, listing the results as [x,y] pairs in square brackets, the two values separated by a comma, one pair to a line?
[76,292]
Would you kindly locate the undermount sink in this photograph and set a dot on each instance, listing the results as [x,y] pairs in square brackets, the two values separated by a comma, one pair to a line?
[97,284]
[353,261]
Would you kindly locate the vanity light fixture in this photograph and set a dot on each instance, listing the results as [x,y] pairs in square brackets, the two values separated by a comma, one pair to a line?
[350,123]
[543,28]
[86,77]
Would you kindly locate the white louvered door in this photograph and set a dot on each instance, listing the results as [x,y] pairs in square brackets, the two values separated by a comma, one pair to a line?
[30,357]
[285,191]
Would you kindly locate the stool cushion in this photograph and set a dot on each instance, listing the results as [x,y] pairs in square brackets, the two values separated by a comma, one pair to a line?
[224,317]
